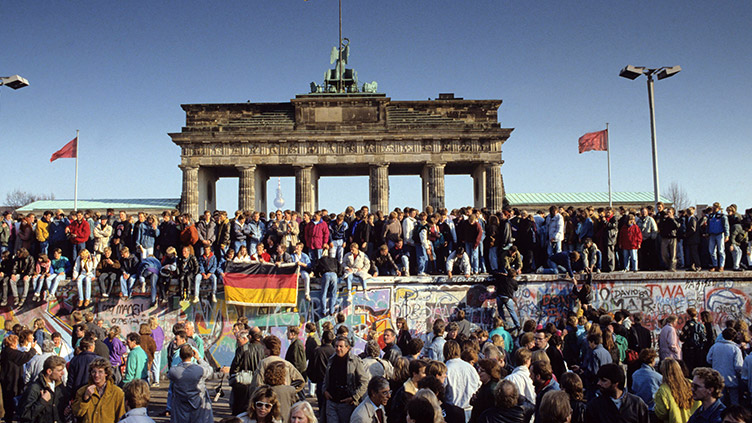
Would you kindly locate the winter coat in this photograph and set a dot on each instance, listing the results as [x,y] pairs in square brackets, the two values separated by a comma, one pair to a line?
[317,235]
[23,266]
[110,407]
[102,237]
[34,409]
[630,237]
[80,231]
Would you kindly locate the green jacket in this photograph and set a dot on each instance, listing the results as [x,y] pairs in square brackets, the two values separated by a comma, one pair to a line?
[137,365]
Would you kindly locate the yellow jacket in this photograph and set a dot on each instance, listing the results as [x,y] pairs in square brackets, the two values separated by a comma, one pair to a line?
[42,231]
[107,408]
[666,408]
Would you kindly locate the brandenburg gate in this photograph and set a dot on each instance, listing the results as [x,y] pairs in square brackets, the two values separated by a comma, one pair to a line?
[340,130]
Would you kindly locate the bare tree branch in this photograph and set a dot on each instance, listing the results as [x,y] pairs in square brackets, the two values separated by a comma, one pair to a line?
[677,195]
[18,198]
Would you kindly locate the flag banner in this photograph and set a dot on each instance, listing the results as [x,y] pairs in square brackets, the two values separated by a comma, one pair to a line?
[69,150]
[597,141]
[261,284]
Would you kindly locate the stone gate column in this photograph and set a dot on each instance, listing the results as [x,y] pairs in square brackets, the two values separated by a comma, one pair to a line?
[433,185]
[479,186]
[189,196]
[304,189]
[247,187]
[494,187]
[378,181]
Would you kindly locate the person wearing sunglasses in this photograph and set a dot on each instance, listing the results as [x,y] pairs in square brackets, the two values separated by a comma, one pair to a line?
[264,407]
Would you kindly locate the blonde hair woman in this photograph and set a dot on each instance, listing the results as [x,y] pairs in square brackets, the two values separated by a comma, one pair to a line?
[302,412]
[84,273]
[431,397]
[673,400]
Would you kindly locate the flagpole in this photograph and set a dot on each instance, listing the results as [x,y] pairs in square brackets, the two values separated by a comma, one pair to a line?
[75,189]
[608,155]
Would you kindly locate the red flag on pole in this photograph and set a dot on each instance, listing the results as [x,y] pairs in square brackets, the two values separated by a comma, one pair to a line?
[69,150]
[597,141]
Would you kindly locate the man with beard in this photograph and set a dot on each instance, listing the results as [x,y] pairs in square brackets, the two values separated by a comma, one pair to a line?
[615,404]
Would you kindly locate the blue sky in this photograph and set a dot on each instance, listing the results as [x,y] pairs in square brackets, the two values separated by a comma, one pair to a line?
[118,71]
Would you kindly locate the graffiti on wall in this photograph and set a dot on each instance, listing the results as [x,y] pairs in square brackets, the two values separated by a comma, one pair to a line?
[420,304]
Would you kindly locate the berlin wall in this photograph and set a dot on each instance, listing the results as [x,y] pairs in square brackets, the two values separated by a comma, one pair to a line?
[421,301]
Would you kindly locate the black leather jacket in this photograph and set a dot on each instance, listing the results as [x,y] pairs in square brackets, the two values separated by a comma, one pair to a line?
[520,413]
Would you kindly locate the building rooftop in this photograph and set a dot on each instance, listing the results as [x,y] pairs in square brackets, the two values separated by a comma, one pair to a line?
[116,203]
[585,198]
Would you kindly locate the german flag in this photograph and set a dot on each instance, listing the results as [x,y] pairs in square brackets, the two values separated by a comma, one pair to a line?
[261,284]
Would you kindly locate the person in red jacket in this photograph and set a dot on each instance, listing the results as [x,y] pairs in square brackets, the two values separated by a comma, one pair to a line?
[630,240]
[316,236]
[189,234]
[78,233]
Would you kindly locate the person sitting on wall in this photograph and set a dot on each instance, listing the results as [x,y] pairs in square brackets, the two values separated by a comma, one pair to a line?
[356,264]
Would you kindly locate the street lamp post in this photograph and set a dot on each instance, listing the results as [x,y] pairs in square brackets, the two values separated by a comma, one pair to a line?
[632,72]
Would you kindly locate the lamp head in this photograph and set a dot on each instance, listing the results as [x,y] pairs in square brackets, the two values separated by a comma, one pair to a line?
[667,72]
[632,72]
[15,81]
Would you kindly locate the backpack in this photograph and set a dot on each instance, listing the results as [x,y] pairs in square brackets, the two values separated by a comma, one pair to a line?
[693,335]
[622,346]
[416,232]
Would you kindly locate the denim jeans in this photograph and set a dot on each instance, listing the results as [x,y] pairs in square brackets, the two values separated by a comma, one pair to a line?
[339,247]
[717,249]
[329,282]
[472,252]
[349,278]
[212,279]
[736,257]
[154,278]
[53,282]
[106,281]
[156,366]
[506,303]
[39,282]
[305,278]
[77,248]
[338,412]
[43,247]
[314,254]
[237,244]
[629,258]
[493,259]
[126,285]
[84,281]
[404,265]
[421,256]
[481,259]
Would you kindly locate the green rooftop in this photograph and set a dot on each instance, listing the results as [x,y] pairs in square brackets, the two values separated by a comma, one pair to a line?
[117,204]
[584,198]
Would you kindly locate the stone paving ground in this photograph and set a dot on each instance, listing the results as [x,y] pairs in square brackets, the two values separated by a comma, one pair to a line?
[221,407]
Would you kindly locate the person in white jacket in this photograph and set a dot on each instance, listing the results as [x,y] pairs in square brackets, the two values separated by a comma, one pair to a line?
[555,230]
[520,376]
[356,264]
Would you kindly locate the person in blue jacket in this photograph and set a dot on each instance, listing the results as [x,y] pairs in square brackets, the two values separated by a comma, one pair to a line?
[149,268]
[207,264]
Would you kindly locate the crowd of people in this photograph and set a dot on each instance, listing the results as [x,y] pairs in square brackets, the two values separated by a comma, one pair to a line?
[145,253]
[592,366]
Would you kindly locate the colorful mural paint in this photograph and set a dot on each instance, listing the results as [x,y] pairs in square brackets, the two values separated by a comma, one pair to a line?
[544,299]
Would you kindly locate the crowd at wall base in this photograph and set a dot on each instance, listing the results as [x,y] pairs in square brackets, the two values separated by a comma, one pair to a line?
[420,300]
